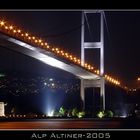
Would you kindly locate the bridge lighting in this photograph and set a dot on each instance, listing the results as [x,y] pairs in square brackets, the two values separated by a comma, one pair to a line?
[11,27]
[79,61]
[2,23]
[48,46]
[138,78]
[75,60]
[98,72]
[14,31]
[85,65]
[112,80]
[42,44]
[62,54]
[71,58]
[67,55]
[29,38]
[36,41]
[39,40]
[92,68]
[58,51]
[89,67]
[26,34]
[19,31]
[33,38]
[6,27]
[53,49]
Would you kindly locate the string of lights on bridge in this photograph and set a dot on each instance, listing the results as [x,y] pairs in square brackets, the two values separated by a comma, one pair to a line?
[36,41]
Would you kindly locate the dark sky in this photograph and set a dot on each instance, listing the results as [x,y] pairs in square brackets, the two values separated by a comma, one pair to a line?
[62,28]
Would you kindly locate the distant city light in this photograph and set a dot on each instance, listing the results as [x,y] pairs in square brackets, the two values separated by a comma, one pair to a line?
[123,116]
[51,79]
[45,83]
[138,78]
[2,75]
[53,84]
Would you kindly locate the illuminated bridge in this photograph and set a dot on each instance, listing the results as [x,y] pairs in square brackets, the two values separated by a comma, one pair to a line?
[24,42]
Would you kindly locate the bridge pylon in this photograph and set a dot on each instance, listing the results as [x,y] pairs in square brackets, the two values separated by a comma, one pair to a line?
[100,82]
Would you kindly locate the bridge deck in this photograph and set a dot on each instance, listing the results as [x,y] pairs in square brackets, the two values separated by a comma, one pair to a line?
[46,57]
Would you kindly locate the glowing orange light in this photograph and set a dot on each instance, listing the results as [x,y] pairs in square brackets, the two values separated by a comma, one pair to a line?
[26,34]
[53,49]
[19,31]
[78,60]
[2,23]
[138,78]
[33,38]
[6,27]
[98,72]
[85,64]
[58,51]
[14,31]
[48,46]
[89,67]
[66,54]
[11,27]
[39,40]
[36,41]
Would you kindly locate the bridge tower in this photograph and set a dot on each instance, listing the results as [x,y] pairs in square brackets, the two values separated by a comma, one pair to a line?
[100,82]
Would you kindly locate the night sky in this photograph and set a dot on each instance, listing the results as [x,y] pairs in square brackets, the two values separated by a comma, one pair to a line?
[62,28]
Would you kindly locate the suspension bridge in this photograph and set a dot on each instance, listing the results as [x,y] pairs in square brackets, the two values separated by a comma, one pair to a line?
[24,42]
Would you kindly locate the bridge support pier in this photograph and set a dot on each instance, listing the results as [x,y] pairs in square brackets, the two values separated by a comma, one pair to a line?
[92,84]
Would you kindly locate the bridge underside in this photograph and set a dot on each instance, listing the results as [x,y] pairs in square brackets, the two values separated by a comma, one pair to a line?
[46,57]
